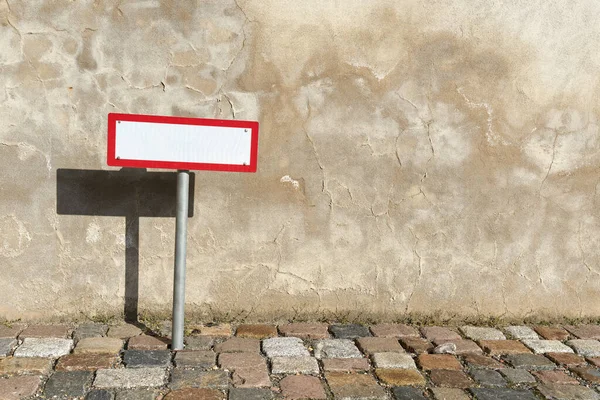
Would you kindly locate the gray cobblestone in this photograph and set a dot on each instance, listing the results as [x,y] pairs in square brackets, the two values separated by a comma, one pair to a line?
[336,348]
[146,358]
[284,347]
[294,365]
[63,384]
[7,345]
[44,347]
[585,347]
[127,378]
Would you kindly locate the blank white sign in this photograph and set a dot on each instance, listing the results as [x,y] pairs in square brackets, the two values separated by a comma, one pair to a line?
[182,143]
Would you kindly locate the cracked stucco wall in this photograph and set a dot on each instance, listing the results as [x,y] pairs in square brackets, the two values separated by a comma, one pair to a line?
[414,156]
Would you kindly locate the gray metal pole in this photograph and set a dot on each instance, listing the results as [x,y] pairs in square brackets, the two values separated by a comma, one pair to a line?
[183,191]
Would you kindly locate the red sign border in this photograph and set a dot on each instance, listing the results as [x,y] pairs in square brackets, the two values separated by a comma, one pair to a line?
[115,162]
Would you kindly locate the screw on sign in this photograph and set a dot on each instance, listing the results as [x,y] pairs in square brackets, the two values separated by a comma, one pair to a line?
[182,144]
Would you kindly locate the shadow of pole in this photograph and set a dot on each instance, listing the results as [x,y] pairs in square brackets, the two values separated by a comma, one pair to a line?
[130,193]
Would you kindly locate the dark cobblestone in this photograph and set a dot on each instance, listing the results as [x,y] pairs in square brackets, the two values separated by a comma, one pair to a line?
[63,384]
[352,331]
[146,358]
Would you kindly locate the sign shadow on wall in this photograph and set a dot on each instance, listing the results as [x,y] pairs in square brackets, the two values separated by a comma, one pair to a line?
[131,193]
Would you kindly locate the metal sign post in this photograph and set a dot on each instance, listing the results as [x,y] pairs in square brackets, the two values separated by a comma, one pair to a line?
[183,191]
[150,141]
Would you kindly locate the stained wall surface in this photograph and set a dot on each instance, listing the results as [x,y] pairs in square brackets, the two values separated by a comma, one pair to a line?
[414,156]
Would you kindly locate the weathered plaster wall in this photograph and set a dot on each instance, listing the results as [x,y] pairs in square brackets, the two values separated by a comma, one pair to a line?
[414,156]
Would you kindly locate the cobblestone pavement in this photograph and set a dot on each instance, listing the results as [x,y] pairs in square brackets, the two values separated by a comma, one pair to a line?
[300,361]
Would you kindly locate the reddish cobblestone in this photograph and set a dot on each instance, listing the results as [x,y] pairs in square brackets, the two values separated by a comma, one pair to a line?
[354,386]
[256,331]
[86,362]
[480,361]
[46,331]
[10,331]
[439,334]
[552,332]
[400,377]
[566,359]
[449,378]
[370,345]
[345,364]
[595,361]
[305,330]
[555,376]
[589,374]
[394,330]
[238,345]
[234,361]
[585,331]
[24,365]
[498,347]
[416,345]
[302,387]
[124,331]
[18,387]
[145,342]
[99,345]
[438,361]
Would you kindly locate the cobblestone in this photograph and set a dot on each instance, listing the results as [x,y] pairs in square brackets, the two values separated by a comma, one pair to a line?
[240,369]
[547,346]
[145,342]
[294,365]
[85,331]
[44,347]
[499,347]
[480,361]
[10,331]
[439,334]
[449,378]
[438,361]
[305,330]
[68,384]
[408,393]
[46,331]
[182,378]
[86,362]
[199,343]
[589,374]
[203,359]
[302,387]
[336,348]
[130,378]
[100,394]
[585,331]
[517,376]
[370,345]
[256,331]
[7,345]
[18,387]
[394,330]
[502,394]
[123,331]
[449,394]
[250,394]
[566,359]
[529,361]
[521,332]
[146,358]
[488,377]
[212,330]
[393,360]
[567,392]
[16,365]
[464,346]
[351,331]
[585,347]
[482,333]
[345,364]
[98,345]
[238,345]
[284,347]
[555,376]
[355,386]
[416,345]
[552,332]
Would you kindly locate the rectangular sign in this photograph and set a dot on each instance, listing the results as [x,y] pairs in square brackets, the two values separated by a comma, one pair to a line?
[152,141]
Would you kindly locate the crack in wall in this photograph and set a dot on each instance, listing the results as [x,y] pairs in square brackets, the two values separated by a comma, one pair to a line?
[551,163]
